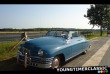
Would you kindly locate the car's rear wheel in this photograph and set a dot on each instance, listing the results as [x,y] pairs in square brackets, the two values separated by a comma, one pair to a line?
[56,62]
[85,52]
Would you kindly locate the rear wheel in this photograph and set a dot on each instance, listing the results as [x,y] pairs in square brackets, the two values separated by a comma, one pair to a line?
[56,62]
[85,52]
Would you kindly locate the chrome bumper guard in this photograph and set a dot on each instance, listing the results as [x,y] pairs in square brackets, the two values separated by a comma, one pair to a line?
[34,61]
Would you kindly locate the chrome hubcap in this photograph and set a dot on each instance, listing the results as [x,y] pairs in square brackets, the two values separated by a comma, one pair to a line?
[55,63]
[85,51]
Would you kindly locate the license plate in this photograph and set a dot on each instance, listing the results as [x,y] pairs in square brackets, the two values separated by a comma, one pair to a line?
[32,64]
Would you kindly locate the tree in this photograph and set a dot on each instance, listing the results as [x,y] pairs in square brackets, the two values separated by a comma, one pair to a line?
[99,15]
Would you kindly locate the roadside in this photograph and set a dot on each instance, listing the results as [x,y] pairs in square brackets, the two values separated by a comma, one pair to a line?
[97,57]
[105,60]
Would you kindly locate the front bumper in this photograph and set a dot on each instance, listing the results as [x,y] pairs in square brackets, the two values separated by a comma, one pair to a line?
[35,61]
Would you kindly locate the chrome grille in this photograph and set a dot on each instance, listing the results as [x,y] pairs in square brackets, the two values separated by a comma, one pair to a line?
[32,59]
[41,60]
[36,60]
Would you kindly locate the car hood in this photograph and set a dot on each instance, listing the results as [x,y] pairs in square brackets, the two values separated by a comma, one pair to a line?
[45,43]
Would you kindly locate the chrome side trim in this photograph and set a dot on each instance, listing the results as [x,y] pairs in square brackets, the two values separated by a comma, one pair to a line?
[72,56]
[75,55]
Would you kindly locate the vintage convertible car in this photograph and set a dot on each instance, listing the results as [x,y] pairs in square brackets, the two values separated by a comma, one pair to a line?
[52,50]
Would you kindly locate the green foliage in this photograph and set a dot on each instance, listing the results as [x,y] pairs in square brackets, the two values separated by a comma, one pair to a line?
[5,50]
[88,37]
[5,47]
[99,15]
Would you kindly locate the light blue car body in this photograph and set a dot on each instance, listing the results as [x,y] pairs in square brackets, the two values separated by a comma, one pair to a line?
[68,46]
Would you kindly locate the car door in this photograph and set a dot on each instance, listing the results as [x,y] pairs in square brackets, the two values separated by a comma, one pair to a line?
[85,45]
[76,43]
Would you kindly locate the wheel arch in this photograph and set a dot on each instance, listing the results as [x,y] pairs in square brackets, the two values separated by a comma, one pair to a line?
[62,57]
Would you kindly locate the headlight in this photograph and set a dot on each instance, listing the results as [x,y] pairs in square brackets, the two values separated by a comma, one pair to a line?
[40,52]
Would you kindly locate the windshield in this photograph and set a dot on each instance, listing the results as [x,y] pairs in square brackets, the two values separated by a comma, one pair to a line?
[58,33]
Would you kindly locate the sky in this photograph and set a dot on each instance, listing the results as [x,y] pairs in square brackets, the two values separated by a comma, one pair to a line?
[23,16]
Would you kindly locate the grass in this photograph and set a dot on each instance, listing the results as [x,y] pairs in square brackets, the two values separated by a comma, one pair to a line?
[90,36]
[5,50]
[8,61]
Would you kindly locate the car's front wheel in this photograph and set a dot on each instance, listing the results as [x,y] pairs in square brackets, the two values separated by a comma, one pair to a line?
[56,62]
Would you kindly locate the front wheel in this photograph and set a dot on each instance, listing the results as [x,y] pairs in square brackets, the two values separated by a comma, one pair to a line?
[56,62]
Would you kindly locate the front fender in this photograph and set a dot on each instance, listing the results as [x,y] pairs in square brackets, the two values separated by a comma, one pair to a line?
[65,50]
